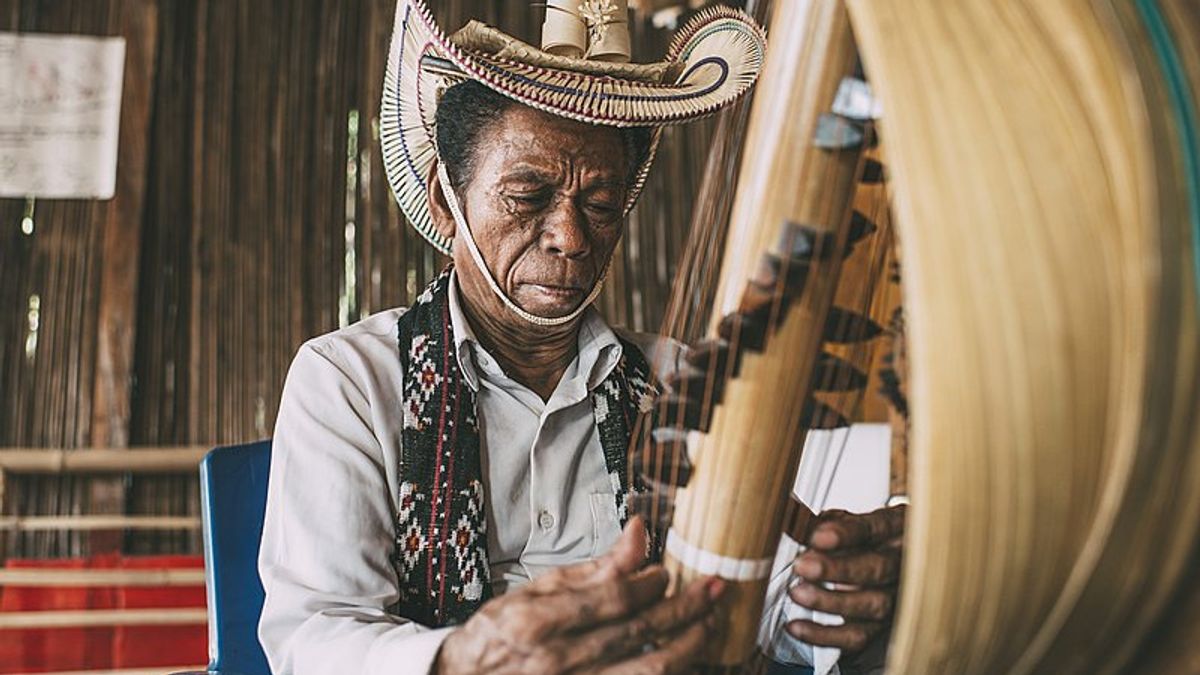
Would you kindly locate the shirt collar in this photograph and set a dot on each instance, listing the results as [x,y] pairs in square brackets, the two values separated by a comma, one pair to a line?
[599,348]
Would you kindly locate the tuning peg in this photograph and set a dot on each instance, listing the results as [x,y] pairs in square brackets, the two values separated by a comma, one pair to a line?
[686,413]
[664,461]
[873,172]
[817,415]
[860,228]
[843,326]
[831,373]
[656,505]
[746,331]
[709,356]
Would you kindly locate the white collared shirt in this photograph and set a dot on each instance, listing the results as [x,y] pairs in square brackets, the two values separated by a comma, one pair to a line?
[329,529]
[541,459]
[329,526]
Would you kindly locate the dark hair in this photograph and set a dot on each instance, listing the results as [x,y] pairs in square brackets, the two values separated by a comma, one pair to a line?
[468,108]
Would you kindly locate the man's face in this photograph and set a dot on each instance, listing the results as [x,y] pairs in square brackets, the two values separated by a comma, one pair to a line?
[546,208]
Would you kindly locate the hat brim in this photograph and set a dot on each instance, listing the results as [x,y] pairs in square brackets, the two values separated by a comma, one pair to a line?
[720,52]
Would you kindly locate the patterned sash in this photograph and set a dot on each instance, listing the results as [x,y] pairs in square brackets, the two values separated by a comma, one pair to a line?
[441,526]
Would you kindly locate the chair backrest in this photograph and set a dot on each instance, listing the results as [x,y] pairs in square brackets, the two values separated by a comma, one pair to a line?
[233,496]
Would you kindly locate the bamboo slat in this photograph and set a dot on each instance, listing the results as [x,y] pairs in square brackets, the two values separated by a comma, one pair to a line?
[38,577]
[90,523]
[159,670]
[85,618]
[116,326]
[134,460]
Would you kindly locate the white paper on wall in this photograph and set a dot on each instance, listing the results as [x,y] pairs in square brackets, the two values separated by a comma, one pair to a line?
[60,114]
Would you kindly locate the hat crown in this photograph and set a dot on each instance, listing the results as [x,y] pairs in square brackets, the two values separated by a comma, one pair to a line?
[590,29]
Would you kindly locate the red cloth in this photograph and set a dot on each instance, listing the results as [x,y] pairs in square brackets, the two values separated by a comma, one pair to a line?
[64,649]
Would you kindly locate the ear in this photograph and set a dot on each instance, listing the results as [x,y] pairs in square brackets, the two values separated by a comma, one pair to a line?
[439,210]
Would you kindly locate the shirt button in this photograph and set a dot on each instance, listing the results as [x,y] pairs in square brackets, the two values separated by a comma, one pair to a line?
[546,520]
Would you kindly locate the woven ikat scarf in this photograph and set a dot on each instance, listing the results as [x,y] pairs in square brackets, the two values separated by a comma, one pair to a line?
[441,526]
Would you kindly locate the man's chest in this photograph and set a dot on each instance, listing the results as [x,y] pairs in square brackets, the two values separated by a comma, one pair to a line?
[548,493]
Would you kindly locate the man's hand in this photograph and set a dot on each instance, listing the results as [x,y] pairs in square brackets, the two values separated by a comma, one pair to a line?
[860,555]
[605,616]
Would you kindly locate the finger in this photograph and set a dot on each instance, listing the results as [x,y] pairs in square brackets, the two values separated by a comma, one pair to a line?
[850,637]
[619,640]
[818,519]
[868,568]
[683,609]
[629,553]
[842,530]
[867,604]
[538,614]
[677,655]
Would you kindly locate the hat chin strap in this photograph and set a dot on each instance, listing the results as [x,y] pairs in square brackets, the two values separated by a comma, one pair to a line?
[461,222]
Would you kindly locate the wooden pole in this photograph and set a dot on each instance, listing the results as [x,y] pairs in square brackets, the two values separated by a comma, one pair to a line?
[185,459]
[49,577]
[116,323]
[84,618]
[98,523]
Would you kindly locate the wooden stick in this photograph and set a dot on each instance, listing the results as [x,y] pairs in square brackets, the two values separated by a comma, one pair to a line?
[137,460]
[42,523]
[175,670]
[81,618]
[39,577]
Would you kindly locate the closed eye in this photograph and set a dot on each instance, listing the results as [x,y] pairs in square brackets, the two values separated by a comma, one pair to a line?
[529,200]
[604,210]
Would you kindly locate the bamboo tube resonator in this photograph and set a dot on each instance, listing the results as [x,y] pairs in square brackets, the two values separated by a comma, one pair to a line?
[1044,167]
[1046,201]
[792,194]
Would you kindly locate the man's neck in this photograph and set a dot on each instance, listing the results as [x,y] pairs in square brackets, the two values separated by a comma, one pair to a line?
[535,356]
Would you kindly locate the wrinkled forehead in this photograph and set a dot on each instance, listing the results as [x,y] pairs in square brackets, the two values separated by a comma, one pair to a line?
[524,135]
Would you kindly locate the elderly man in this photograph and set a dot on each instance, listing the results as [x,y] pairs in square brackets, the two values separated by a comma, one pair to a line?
[447,489]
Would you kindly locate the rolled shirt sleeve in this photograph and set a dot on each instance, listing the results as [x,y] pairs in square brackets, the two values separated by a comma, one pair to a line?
[328,534]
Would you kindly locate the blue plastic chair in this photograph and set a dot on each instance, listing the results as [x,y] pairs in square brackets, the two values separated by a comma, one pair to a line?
[233,499]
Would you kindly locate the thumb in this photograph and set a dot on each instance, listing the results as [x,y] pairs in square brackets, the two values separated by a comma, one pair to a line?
[629,553]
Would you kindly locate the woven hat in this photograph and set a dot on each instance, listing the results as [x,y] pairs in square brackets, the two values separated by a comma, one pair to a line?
[712,60]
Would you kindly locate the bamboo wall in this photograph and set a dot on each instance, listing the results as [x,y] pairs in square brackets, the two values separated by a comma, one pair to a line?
[251,213]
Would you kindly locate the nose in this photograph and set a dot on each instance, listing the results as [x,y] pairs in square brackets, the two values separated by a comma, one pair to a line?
[565,233]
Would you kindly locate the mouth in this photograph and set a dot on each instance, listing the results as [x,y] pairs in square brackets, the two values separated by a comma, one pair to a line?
[556,292]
